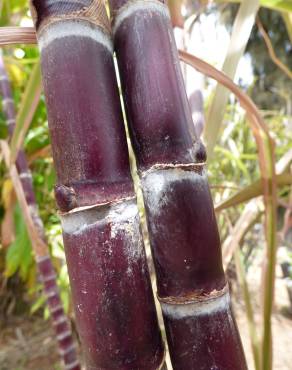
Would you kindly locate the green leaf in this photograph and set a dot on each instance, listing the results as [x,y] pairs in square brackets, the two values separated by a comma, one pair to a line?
[9,8]
[251,191]
[29,103]
[3,130]
[280,5]
[243,24]
[38,304]
[19,255]
[288,22]
[37,138]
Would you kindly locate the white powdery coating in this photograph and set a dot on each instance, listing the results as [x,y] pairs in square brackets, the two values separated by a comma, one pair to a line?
[7,101]
[122,214]
[72,366]
[77,222]
[59,30]
[156,185]
[208,307]
[3,78]
[126,224]
[133,7]
[11,121]
[25,175]
[34,212]
[129,230]
[40,259]
[123,219]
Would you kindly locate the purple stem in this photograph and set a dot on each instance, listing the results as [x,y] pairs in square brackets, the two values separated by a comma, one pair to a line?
[46,271]
[192,288]
[110,282]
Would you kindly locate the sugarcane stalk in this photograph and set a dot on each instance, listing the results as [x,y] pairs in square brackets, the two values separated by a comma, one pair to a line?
[39,244]
[192,288]
[109,278]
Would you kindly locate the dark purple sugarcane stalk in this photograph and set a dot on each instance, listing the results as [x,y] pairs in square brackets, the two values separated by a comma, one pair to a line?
[110,282]
[42,256]
[192,288]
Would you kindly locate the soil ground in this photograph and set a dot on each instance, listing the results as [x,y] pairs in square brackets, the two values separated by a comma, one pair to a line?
[27,343]
[281,320]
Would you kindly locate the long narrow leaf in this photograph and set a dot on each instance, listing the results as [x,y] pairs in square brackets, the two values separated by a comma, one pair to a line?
[29,103]
[255,189]
[251,191]
[271,50]
[288,22]
[39,246]
[266,148]
[248,217]
[243,24]
[255,344]
[280,5]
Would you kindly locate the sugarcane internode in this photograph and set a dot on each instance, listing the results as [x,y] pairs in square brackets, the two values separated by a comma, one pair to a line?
[184,238]
[109,278]
[40,247]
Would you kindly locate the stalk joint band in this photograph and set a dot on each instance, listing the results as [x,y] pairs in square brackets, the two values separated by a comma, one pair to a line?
[92,11]
[195,297]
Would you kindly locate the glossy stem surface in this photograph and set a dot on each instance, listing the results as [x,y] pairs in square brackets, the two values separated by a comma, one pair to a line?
[184,238]
[110,283]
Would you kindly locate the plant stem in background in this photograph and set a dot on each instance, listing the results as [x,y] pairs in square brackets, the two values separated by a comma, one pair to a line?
[271,50]
[249,216]
[255,343]
[192,288]
[39,244]
[110,283]
[26,110]
[266,148]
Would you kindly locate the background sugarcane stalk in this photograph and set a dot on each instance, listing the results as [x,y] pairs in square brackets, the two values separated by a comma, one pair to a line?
[192,288]
[46,271]
[107,266]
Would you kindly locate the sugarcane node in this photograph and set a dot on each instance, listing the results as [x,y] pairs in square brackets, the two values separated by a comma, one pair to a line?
[188,167]
[198,296]
[47,12]
[120,9]
[65,197]
[33,208]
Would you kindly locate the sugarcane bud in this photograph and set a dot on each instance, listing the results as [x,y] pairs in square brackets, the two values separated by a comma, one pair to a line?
[200,154]
[65,197]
